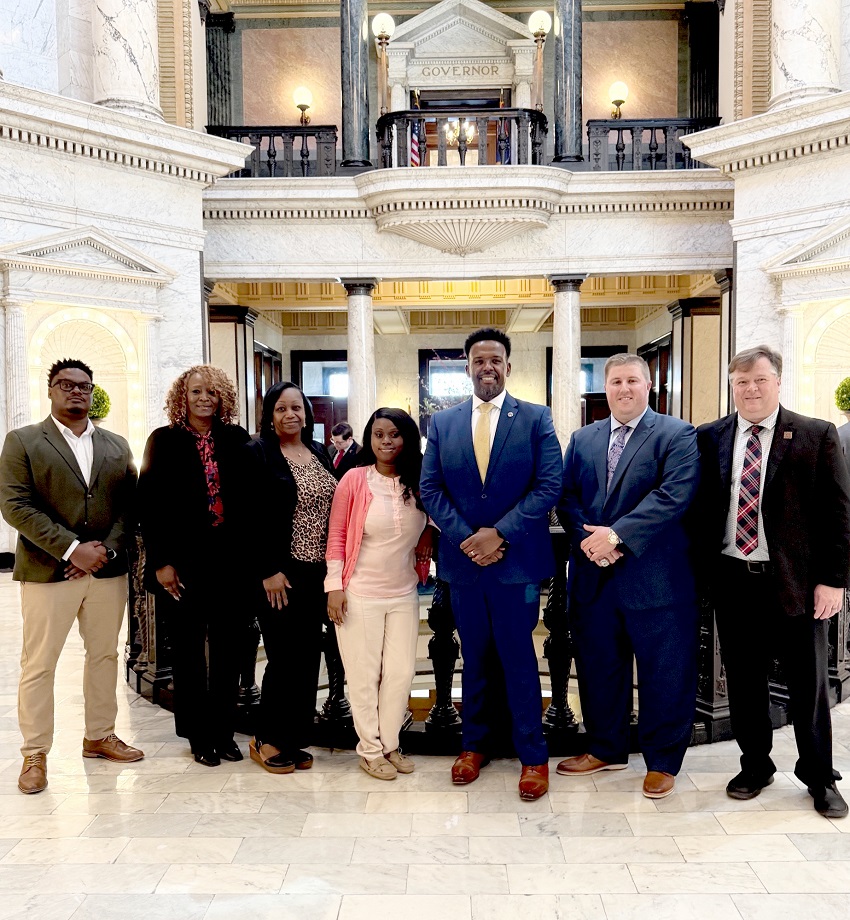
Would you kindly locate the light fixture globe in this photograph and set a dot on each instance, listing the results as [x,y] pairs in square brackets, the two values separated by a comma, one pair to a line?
[302,96]
[539,23]
[618,93]
[383,26]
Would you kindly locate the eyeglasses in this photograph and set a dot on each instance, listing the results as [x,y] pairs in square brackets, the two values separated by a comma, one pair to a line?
[68,386]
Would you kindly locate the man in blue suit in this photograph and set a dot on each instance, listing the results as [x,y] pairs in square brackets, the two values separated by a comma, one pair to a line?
[491,474]
[628,481]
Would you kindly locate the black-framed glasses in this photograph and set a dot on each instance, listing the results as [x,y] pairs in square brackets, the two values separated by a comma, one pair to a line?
[68,386]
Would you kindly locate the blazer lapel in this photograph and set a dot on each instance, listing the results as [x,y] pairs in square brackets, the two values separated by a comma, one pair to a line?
[54,436]
[464,419]
[98,453]
[503,430]
[600,453]
[779,445]
[633,445]
[725,446]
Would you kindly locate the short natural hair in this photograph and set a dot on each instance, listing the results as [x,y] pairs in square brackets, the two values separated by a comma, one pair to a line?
[487,335]
[626,358]
[745,359]
[68,363]
[343,430]
[216,379]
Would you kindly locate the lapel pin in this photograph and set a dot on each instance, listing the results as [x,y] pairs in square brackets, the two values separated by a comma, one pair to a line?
[510,415]
[787,435]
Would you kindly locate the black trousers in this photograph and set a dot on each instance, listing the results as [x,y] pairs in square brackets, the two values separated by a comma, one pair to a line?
[209,619]
[292,638]
[753,632]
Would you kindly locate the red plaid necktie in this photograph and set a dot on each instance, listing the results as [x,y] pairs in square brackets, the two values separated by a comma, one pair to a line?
[747,522]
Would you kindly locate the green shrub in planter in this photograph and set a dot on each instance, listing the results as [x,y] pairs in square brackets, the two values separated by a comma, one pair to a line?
[100,403]
[842,395]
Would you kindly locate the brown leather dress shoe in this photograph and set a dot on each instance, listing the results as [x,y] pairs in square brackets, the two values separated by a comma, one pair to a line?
[657,785]
[534,781]
[33,776]
[585,764]
[111,748]
[467,767]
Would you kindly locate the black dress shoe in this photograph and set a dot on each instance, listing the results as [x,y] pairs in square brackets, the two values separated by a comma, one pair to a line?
[302,759]
[746,786]
[207,757]
[828,801]
[229,750]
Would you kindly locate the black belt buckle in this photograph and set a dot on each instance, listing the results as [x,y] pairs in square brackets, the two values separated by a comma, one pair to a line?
[757,568]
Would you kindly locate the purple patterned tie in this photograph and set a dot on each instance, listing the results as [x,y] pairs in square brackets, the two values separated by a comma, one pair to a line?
[747,522]
[615,451]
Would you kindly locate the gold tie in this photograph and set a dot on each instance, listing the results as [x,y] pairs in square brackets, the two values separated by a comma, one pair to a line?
[481,441]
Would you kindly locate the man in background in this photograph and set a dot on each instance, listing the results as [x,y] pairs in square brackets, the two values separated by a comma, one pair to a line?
[343,449]
[67,488]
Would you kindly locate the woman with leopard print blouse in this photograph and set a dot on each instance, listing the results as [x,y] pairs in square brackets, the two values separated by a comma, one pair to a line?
[292,483]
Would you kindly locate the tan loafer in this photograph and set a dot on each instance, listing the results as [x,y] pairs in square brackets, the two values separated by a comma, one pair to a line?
[401,762]
[379,768]
[33,776]
[111,748]
[658,785]
[585,764]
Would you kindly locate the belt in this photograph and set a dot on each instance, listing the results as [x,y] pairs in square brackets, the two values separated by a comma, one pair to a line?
[754,568]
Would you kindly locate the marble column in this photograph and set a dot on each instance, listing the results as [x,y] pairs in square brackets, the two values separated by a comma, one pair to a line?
[219,29]
[153,396]
[126,57]
[791,346]
[566,355]
[362,388]
[568,118]
[805,50]
[17,372]
[354,47]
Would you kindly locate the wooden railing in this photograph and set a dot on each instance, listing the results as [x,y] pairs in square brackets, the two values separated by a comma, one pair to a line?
[303,150]
[642,143]
[498,136]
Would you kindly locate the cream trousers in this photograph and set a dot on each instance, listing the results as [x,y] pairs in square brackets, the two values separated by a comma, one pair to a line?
[377,642]
[49,611]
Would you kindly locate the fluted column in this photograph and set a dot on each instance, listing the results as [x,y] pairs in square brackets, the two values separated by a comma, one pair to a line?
[805,50]
[791,345]
[568,117]
[566,355]
[126,57]
[17,372]
[152,383]
[354,47]
[362,390]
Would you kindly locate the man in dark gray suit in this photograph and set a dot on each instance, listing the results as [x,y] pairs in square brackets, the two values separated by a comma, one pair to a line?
[844,438]
[67,488]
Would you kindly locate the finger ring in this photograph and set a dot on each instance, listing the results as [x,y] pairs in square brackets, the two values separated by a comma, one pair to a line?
[604,563]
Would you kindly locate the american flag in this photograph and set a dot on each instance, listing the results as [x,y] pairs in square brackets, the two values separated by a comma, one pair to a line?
[414,144]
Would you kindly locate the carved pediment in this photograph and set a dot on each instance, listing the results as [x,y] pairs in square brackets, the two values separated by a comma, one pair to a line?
[828,250]
[86,251]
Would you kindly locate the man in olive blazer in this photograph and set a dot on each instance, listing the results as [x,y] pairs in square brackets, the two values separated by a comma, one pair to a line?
[67,488]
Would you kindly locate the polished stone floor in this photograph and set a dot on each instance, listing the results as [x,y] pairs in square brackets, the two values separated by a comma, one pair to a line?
[167,838]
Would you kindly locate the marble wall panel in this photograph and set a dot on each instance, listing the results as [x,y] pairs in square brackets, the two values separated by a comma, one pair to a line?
[28,49]
[74,49]
[644,55]
[277,61]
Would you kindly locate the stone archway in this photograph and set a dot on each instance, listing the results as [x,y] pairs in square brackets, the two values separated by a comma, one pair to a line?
[826,361]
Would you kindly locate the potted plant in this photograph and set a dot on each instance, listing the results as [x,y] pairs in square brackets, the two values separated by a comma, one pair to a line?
[842,398]
[100,405]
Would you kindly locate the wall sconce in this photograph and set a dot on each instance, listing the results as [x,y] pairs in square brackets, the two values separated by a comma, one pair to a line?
[454,131]
[539,24]
[618,93]
[383,26]
[303,100]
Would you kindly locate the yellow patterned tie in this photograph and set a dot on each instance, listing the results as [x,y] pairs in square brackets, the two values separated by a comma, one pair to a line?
[481,441]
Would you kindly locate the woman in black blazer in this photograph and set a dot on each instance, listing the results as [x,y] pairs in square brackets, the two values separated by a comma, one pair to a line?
[292,485]
[188,500]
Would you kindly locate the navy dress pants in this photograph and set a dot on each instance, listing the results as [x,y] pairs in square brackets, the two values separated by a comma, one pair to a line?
[499,618]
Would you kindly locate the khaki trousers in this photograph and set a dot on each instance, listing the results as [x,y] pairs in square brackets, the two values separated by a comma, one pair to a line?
[49,611]
[377,642]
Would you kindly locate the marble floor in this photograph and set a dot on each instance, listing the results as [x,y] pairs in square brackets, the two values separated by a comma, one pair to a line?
[168,839]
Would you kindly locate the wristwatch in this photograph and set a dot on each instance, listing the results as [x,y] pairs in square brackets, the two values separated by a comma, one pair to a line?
[110,554]
[613,539]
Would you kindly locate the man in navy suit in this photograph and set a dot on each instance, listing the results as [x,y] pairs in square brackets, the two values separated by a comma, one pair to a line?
[628,481]
[491,474]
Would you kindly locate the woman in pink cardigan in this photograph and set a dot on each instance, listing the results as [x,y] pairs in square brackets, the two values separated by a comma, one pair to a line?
[378,532]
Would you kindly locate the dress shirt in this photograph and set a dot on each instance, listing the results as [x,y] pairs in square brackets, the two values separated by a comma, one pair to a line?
[742,435]
[493,416]
[83,451]
[616,425]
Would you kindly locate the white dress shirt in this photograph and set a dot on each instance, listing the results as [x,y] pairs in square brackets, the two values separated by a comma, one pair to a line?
[742,435]
[83,450]
[493,415]
[616,425]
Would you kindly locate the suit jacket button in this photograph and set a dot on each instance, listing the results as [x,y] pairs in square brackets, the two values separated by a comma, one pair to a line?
[484,496]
